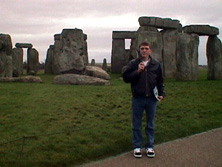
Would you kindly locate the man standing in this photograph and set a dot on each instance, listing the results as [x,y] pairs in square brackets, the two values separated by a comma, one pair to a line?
[144,74]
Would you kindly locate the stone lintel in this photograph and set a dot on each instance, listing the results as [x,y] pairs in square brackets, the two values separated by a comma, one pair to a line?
[163,23]
[23,45]
[124,34]
[202,30]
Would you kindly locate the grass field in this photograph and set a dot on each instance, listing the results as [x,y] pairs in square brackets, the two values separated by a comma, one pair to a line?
[56,125]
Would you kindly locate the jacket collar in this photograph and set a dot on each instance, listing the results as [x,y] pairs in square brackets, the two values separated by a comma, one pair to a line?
[151,60]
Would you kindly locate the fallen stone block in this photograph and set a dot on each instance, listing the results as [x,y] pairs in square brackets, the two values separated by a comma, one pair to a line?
[26,79]
[75,79]
[97,72]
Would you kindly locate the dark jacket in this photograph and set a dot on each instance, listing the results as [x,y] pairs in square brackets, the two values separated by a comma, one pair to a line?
[142,84]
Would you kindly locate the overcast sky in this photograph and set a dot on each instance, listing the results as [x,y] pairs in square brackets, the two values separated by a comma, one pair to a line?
[36,21]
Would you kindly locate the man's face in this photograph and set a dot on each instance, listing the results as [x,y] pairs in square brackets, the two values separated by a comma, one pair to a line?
[145,51]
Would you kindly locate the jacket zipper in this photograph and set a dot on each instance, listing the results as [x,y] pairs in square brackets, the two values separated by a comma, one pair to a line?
[146,83]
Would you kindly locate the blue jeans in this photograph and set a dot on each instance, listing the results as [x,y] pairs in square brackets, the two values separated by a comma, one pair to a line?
[148,104]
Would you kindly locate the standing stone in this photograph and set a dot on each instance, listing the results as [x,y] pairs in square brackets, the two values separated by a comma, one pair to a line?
[32,61]
[133,51]
[119,57]
[8,66]
[93,62]
[56,54]
[170,38]
[1,67]
[52,61]
[71,59]
[85,50]
[214,58]
[69,53]
[104,66]
[17,61]
[187,57]
[5,55]
[156,42]
[49,60]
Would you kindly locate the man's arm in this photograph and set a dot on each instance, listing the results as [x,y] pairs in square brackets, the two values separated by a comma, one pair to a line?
[160,83]
[132,72]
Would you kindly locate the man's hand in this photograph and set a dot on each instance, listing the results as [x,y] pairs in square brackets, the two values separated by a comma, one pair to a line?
[160,97]
[141,67]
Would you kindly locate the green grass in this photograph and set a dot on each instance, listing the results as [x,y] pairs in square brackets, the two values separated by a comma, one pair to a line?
[59,125]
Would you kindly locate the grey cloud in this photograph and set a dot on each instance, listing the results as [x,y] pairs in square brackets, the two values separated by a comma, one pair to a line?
[37,21]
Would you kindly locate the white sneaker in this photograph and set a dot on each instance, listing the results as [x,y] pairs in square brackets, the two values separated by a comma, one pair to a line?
[150,152]
[137,153]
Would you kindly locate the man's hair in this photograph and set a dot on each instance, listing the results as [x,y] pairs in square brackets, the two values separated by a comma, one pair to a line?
[144,44]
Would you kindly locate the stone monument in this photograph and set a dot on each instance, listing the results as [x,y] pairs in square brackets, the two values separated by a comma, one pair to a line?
[174,46]
[6,67]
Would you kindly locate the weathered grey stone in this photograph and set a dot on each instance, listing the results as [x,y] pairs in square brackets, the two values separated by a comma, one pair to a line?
[164,23]
[85,37]
[93,62]
[5,55]
[180,28]
[57,37]
[170,38]
[23,45]
[6,44]
[8,66]
[27,79]
[104,66]
[214,58]
[85,50]
[75,79]
[177,54]
[147,28]
[2,67]
[119,56]
[17,61]
[154,38]
[72,51]
[56,54]
[201,30]
[97,72]
[187,57]
[49,60]
[156,42]
[124,34]
[32,61]
[132,54]
[1,44]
